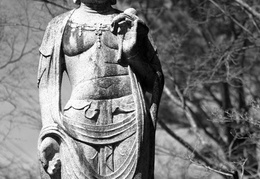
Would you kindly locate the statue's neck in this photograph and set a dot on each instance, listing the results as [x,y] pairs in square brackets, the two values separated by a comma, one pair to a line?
[95,7]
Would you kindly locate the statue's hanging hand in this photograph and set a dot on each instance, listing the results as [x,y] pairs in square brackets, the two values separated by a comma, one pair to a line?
[127,27]
[49,155]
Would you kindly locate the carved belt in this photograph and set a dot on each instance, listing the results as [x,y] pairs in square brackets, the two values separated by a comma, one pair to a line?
[101,134]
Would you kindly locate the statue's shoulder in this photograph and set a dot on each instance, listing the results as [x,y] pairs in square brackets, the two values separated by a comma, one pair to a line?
[53,28]
[59,20]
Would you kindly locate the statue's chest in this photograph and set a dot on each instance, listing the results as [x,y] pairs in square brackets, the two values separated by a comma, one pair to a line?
[79,38]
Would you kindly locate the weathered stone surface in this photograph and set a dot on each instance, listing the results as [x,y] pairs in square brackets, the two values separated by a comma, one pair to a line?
[106,129]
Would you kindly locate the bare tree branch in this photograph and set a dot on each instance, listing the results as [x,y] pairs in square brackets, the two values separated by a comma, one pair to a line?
[248,8]
[232,18]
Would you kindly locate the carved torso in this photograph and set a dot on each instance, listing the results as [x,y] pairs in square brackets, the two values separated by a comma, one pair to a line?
[101,90]
[91,60]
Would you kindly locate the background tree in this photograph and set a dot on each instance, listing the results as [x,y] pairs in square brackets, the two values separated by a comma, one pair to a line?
[18,98]
[210,54]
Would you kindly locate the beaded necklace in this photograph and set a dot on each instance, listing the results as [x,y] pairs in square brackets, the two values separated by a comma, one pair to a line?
[98,28]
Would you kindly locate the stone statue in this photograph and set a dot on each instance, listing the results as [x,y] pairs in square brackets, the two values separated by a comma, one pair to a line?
[107,128]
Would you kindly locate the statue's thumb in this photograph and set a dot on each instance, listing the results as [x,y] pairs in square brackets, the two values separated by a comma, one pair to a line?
[42,156]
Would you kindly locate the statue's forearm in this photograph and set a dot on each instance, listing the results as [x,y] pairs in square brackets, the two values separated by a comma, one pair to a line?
[43,90]
[45,106]
[144,71]
[47,97]
[149,70]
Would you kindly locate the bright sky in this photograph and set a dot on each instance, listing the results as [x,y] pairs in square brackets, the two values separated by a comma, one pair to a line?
[18,141]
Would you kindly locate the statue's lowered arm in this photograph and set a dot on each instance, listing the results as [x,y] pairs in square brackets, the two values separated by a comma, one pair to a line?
[45,98]
[49,84]
[49,77]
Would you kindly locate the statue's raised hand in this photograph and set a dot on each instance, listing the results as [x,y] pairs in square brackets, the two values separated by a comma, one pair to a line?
[127,26]
[49,155]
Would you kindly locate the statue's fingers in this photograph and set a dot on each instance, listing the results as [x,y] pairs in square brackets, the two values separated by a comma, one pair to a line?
[123,17]
[118,18]
[130,11]
[54,165]
[115,21]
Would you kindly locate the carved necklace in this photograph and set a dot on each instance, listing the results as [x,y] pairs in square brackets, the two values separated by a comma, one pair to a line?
[99,28]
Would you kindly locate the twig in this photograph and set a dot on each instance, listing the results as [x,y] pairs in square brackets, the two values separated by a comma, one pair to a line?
[212,169]
[182,104]
[248,8]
